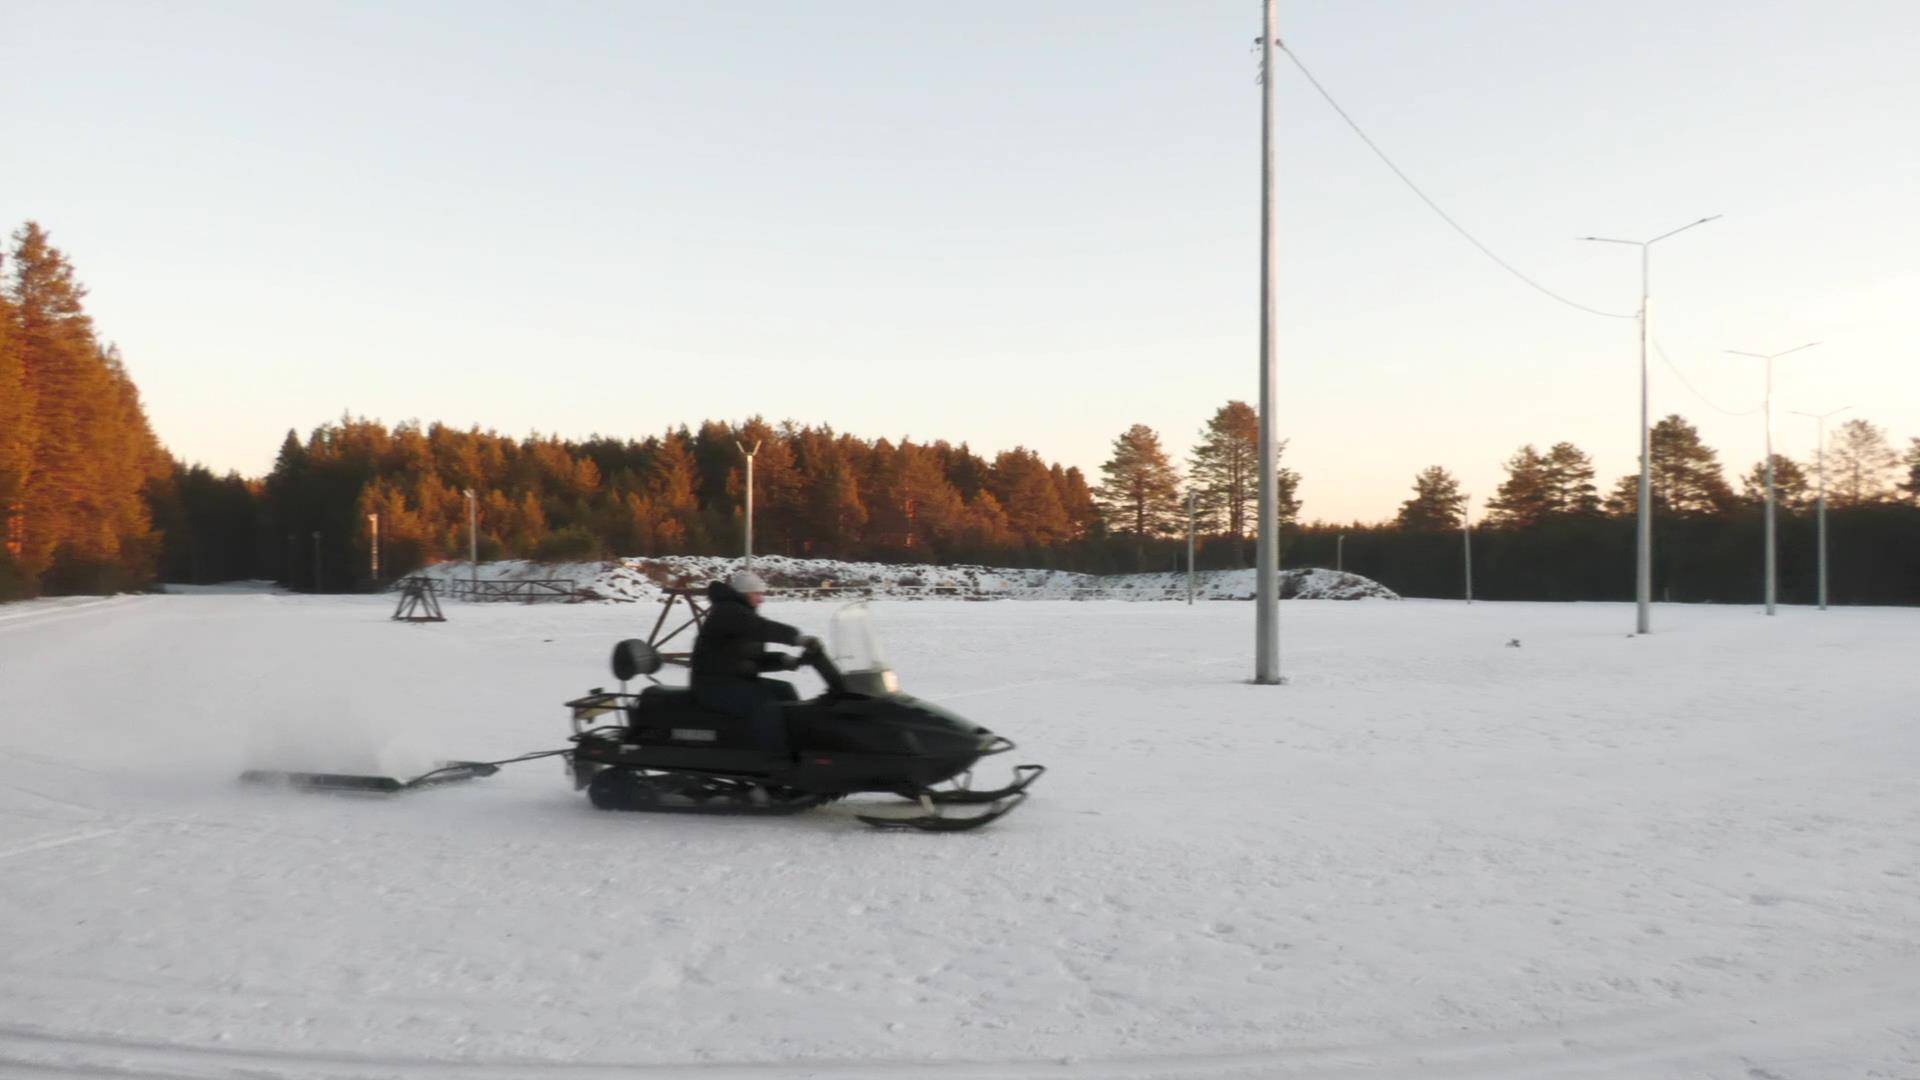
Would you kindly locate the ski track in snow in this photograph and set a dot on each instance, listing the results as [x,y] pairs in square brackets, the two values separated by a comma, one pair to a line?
[1696,854]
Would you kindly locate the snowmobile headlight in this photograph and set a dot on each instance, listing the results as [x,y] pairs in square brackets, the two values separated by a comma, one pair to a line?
[890,681]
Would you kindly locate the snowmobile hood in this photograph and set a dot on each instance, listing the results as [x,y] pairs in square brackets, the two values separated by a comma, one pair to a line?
[932,711]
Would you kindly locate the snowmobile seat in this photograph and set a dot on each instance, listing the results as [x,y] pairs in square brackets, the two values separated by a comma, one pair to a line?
[672,707]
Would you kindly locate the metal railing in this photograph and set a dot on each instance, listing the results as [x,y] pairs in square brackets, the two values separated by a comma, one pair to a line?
[525,591]
[972,592]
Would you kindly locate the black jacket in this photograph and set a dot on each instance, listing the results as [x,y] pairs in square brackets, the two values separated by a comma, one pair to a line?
[732,643]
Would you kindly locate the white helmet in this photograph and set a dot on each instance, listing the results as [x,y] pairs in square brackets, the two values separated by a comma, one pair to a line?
[746,582]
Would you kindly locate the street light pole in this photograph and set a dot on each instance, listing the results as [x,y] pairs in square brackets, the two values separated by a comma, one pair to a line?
[1820,451]
[1190,523]
[1643,545]
[473,542]
[1773,576]
[1466,540]
[749,455]
[373,528]
[1266,575]
[316,560]
[1340,552]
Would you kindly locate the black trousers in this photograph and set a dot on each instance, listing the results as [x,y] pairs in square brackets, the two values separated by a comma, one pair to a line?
[759,701]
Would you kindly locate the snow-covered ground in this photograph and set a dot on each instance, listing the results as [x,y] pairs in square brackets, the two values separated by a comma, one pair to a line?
[1432,854]
[642,579]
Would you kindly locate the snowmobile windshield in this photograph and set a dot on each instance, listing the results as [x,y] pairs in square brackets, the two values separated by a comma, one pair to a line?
[855,650]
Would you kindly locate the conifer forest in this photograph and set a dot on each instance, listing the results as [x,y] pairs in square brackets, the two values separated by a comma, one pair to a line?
[93,502]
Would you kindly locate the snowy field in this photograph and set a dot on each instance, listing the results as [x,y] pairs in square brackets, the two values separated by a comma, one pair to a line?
[1431,855]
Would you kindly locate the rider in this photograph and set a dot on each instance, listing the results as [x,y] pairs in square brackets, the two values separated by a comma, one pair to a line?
[730,654]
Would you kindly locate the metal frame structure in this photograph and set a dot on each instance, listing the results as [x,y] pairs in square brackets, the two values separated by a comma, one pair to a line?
[696,618]
[418,602]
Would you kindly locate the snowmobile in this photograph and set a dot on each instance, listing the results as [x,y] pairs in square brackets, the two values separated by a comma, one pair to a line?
[663,752]
[657,750]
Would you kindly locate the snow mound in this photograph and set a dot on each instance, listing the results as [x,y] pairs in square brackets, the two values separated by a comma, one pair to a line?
[644,578]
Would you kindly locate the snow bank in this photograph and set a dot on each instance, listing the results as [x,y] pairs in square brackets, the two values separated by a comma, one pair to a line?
[643,578]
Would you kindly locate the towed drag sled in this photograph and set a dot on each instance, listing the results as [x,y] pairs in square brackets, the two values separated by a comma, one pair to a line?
[658,751]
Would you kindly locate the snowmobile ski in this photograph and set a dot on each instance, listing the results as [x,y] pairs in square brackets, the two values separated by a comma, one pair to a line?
[938,822]
[1023,775]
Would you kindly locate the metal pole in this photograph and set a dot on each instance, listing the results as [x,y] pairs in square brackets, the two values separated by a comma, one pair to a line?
[1266,662]
[1466,540]
[1190,524]
[473,542]
[1643,544]
[316,560]
[1643,539]
[1820,429]
[1340,552]
[373,523]
[749,539]
[1820,457]
[1772,564]
[1773,577]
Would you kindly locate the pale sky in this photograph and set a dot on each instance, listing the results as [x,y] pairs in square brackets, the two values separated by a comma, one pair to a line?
[996,222]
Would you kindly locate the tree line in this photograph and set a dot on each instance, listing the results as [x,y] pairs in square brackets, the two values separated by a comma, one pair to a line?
[1547,533]
[93,503]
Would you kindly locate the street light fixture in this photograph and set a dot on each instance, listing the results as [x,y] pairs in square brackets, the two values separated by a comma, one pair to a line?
[1820,429]
[1643,547]
[1772,557]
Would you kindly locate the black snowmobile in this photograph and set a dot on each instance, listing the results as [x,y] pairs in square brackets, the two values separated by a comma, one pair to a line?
[658,751]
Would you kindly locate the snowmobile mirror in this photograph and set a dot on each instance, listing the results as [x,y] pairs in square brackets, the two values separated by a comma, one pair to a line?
[634,657]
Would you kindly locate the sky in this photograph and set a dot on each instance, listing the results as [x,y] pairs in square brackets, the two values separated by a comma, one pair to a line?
[1008,223]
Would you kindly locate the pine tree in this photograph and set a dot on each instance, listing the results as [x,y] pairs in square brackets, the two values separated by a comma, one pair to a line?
[1527,495]
[1083,514]
[673,492]
[1141,495]
[835,519]
[965,471]
[933,511]
[1860,464]
[1569,476]
[1437,502]
[1225,471]
[84,517]
[1026,491]
[1684,471]
[1911,485]
[17,439]
[986,531]
[1792,489]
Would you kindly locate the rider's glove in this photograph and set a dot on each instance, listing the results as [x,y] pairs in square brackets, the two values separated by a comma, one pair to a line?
[808,643]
